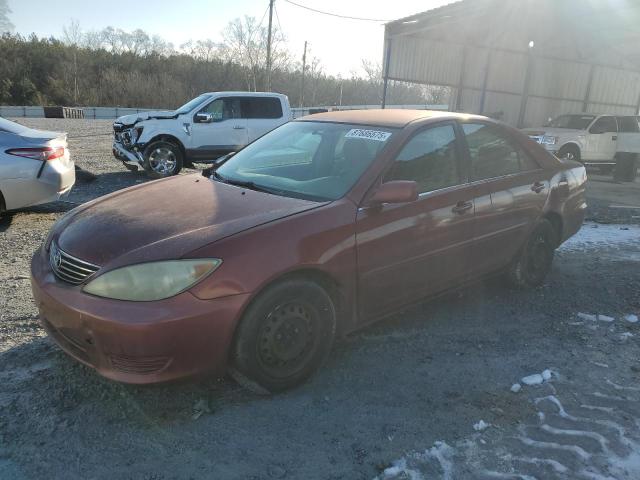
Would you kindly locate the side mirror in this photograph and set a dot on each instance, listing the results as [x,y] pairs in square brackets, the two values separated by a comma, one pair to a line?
[396,191]
[203,118]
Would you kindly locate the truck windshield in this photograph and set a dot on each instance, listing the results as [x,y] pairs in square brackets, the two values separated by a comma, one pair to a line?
[575,122]
[317,161]
[191,104]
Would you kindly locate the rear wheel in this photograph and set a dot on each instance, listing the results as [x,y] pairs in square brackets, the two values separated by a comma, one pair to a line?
[533,263]
[284,336]
[162,159]
[569,152]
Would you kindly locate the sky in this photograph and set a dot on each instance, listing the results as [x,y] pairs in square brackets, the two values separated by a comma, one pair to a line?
[340,44]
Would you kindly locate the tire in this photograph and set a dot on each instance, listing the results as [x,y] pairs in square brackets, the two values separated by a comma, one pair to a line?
[533,263]
[283,337]
[162,159]
[569,152]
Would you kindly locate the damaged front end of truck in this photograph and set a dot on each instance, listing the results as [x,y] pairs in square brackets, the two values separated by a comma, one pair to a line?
[125,145]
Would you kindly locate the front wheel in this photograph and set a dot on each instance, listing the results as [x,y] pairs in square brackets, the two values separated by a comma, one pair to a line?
[533,263]
[162,159]
[569,152]
[283,337]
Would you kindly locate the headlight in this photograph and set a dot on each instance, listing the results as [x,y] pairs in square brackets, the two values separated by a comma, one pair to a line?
[145,282]
[549,140]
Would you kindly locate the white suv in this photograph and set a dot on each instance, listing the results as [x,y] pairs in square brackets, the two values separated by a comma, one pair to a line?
[585,137]
[202,130]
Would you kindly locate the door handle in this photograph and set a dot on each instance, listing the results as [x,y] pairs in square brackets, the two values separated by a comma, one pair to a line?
[238,127]
[537,187]
[462,207]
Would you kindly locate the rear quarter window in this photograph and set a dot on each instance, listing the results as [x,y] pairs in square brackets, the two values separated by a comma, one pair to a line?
[262,107]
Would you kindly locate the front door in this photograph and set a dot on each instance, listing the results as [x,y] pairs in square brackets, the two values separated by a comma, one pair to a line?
[603,134]
[226,133]
[407,251]
[510,192]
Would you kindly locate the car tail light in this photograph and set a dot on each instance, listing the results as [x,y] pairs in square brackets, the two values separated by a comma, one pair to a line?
[38,153]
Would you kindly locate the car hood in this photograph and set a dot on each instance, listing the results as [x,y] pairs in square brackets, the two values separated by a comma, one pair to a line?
[139,117]
[166,219]
[557,132]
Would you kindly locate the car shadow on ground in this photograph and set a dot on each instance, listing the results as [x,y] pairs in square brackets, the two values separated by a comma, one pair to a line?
[59,382]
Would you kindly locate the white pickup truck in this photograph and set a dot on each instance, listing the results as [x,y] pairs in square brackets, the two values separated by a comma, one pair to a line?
[588,138]
[205,128]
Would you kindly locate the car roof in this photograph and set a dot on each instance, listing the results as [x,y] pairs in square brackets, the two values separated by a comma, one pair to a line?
[247,94]
[395,118]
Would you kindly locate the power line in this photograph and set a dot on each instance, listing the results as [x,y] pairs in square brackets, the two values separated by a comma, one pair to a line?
[337,14]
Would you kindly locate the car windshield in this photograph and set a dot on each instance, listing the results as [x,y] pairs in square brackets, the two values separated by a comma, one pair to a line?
[318,161]
[11,127]
[575,122]
[191,104]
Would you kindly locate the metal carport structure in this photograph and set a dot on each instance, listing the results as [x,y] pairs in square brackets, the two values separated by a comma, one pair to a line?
[526,59]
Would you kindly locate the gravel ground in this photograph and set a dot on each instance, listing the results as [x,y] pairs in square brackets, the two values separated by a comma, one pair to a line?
[398,400]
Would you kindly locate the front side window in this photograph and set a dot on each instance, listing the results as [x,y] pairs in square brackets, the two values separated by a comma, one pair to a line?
[224,109]
[492,154]
[313,160]
[604,125]
[429,158]
[261,107]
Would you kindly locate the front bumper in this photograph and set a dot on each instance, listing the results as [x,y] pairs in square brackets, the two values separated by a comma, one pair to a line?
[136,342]
[127,156]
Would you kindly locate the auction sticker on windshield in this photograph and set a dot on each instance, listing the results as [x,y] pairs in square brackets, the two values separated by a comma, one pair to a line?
[376,135]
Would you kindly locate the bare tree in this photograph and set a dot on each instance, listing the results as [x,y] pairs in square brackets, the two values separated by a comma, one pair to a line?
[5,24]
[245,43]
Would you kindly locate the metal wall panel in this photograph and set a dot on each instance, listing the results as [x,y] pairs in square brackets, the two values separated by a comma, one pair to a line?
[506,103]
[475,65]
[614,86]
[471,101]
[507,72]
[613,109]
[418,60]
[554,78]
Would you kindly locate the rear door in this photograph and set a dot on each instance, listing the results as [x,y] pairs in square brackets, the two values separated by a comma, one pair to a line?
[407,251]
[510,191]
[226,133]
[263,115]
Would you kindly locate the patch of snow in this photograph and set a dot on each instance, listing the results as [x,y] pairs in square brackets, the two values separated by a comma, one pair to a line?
[440,457]
[592,235]
[631,318]
[481,426]
[588,316]
[626,335]
[535,379]
[546,375]
[605,318]
[598,364]
[516,387]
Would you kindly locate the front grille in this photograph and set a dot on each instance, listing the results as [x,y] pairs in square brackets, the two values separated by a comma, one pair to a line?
[138,365]
[68,268]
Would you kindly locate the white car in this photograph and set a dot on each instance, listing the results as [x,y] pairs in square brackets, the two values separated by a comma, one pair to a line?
[585,137]
[35,166]
[203,129]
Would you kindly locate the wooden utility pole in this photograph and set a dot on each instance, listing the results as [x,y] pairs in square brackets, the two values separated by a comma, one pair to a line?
[304,67]
[271,2]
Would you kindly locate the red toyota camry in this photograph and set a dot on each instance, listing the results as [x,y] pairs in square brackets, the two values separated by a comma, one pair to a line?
[319,227]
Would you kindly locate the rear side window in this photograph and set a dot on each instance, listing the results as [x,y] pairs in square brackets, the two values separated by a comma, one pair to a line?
[261,107]
[493,154]
[429,158]
[629,124]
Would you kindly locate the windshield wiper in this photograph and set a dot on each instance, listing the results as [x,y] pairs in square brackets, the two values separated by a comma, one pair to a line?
[246,184]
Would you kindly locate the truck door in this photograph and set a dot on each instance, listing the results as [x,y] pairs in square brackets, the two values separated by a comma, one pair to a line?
[225,132]
[604,134]
[263,115]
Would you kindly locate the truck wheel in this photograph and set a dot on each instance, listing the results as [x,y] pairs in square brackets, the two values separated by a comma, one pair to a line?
[283,337]
[569,152]
[533,263]
[162,159]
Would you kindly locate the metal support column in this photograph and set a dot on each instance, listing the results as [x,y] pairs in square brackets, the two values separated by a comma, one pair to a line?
[587,94]
[386,73]
[525,89]
[483,96]
[463,64]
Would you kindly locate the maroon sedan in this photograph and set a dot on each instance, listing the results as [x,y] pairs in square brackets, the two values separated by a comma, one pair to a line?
[320,227]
